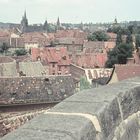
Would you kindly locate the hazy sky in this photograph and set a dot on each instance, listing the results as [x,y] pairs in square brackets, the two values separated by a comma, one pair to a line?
[73,11]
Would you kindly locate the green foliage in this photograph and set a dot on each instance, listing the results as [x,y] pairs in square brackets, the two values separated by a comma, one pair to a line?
[84,84]
[118,30]
[119,55]
[50,28]
[131,29]
[4,47]
[129,39]
[124,52]
[114,29]
[137,30]
[92,37]
[119,39]
[98,36]
[122,31]
[137,41]
[20,52]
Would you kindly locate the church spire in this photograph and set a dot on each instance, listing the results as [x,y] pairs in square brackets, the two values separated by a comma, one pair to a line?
[24,22]
[58,24]
[25,14]
[46,26]
[115,21]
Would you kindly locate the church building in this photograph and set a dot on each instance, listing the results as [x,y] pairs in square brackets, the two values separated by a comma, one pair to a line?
[25,27]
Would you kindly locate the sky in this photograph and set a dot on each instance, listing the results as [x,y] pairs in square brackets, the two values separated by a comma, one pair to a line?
[69,11]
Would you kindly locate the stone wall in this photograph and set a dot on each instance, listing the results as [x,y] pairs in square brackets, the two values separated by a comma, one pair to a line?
[23,90]
[107,113]
[13,122]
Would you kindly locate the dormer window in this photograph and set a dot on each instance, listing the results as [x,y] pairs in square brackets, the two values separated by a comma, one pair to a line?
[64,57]
[38,58]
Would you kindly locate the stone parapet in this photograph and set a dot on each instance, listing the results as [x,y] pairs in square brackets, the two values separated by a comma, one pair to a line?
[107,113]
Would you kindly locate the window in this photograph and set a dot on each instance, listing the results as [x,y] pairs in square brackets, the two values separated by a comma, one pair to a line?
[46,79]
[64,57]
[59,68]
[28,92]
[53,65]
[59,73]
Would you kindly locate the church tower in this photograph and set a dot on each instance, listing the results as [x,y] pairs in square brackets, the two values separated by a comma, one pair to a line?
[115,21]
[58,24]
[45,26]
[24,23]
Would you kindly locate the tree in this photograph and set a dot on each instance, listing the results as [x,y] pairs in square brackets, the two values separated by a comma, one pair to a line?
[131,28]
[45,26]
[137,41]
[119,38]
[84,84]
[114,29]
[129,38]
[92,37]
[98,36]
[119,30]
[3,48]
[124,52]
[112,58]
[119,54]
[20,52]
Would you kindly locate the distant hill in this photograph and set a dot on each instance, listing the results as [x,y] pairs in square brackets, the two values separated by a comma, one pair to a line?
[8,25]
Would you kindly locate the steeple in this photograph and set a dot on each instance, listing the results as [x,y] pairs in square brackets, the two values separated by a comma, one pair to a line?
[25,14]
[45,26]
[46,22]
[24,22]
[58,24]
[115,21]
[81,26]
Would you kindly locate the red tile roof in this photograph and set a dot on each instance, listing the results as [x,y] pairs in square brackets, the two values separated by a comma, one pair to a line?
[50,54]
[127,71]
[70,40]
[90,60]
[71,33]
[98,46]
[36,37]
[110,44]
[23,58]
[51,36]
[4,33]
[112,35]
[6,59]
[93,46]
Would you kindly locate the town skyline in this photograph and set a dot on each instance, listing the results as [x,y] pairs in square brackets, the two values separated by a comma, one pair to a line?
[73,12]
